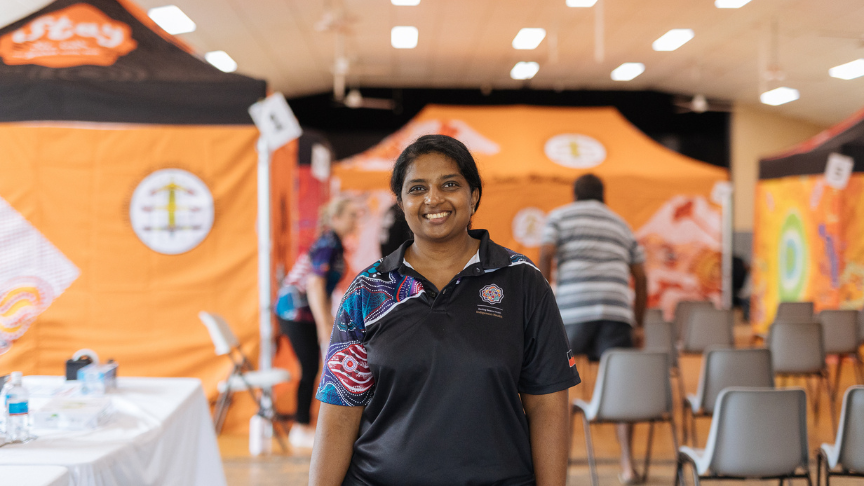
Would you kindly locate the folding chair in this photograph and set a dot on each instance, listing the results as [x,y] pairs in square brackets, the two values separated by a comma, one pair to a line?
[632,387]
[244,377]
[794,312]
[755,434]
[722,368]
[797,349]
[707,327]
[847,451]
[840,335]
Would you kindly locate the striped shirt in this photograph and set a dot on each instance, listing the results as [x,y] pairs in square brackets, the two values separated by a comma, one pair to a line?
[594,251]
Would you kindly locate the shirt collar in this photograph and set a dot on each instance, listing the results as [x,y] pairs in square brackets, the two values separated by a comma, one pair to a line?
[492,255]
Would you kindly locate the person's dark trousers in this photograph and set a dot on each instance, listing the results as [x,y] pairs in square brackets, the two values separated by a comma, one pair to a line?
[304,341]
[594,338]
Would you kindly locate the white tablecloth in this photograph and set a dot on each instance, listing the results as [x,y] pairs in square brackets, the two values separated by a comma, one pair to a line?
[159,434]
[34,476]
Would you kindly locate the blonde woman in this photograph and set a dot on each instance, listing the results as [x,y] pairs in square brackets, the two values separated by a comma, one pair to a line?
[304,304]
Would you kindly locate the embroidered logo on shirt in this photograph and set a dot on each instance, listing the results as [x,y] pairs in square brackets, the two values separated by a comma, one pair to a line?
[491,294]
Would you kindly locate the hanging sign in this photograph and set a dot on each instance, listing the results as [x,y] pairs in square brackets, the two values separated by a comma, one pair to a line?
[838,170]
[275,121]
[575,151]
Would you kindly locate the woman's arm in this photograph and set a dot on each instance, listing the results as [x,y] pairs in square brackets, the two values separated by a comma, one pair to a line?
[338,428]
[319,303]
[549,428]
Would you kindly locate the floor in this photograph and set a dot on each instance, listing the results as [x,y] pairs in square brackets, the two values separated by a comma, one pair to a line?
[292,468]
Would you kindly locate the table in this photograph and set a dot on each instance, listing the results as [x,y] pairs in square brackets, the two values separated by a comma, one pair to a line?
[34,475]
[159,434]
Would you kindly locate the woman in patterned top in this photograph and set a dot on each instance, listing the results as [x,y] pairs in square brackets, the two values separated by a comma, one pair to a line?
[304,304]
[448,362]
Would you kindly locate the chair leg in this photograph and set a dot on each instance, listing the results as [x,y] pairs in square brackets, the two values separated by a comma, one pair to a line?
[818,468]
[684,432]
[859,369]
[693,436]
[222,405]
[831,402]
[809,479]
[595,481]
[648,452]
[837,378]
[277,424]
[679,471]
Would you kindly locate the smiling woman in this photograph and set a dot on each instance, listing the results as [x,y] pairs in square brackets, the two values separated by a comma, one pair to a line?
[448,362]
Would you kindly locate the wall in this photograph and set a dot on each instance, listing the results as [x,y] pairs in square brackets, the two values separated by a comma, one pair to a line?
[758,132]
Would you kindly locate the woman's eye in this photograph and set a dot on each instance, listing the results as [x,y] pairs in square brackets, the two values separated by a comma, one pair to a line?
[415,189]
[451,184]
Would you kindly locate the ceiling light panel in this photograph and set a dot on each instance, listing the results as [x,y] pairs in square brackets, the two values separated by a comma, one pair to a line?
[524,70]
[779,96]
[850,70]
[404,37]
[730,3]
[221,60]
[171,19]
[405,3]
[627,71]
[581,3]
[673,39]
[529,38]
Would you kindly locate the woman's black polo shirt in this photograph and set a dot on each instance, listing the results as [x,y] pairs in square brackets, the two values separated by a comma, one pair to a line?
[440,373]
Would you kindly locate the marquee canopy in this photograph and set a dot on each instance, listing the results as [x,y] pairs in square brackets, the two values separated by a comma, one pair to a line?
[529,157]
[808,239]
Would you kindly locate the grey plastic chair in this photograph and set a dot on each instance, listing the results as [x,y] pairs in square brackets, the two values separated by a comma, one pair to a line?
[840,335]
[756,433]
[632,387]
[794,312]
[797,349]
[707,327]
[660,336]
[654,315]
[682,314]
[847,451]
[723,368]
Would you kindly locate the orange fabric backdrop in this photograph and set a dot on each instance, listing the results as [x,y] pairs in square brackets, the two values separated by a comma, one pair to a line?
[73,183]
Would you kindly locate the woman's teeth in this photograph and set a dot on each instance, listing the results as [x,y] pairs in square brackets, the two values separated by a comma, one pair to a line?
[437,215]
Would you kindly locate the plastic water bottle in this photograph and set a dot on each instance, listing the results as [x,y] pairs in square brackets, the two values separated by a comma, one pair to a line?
[17,410]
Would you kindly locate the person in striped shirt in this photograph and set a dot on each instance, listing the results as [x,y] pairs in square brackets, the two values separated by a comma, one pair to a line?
[595,254]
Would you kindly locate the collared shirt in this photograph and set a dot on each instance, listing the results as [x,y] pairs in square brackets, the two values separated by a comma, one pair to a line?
[440,371]
[594,251]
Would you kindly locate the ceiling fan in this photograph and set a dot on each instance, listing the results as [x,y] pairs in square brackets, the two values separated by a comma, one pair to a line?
[699,104]
[337,20]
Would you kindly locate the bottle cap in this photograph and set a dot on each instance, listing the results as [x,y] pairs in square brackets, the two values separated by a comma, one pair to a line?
[15,377]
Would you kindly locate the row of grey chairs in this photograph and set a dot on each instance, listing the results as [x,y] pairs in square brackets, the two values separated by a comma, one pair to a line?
[756,432]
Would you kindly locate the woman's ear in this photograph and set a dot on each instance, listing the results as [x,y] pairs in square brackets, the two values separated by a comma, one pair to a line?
[475,198]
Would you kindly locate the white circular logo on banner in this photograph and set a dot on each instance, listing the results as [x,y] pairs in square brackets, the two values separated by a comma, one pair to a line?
[575,151]
[171,211]
[528,226]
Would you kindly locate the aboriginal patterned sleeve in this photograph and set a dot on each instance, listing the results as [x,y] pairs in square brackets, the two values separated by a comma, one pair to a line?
[347,379]
[321,254]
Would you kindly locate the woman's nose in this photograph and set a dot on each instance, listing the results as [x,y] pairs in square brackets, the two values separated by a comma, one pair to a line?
[433,197]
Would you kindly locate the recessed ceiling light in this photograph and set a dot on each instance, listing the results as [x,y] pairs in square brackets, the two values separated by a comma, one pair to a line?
[524,70]
[221,60]
[404,37]
[581,3]
[529,38]
[673,39]
[172,19]
[850,70]
[627,71]
[779,96]
[405,3]
[730,3]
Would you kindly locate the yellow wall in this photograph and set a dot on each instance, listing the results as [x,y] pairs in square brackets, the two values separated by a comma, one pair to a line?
[757,132]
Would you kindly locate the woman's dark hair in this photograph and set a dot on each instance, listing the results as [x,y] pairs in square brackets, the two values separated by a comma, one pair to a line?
[439,144]
[589,187]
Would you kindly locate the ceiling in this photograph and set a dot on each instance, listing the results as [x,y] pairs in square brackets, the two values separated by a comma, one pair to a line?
[466,44]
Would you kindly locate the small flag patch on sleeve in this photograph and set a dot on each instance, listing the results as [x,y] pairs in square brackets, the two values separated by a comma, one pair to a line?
[571,359]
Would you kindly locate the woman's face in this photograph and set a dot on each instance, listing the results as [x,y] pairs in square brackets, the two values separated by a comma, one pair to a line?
[345,222]
[436,198]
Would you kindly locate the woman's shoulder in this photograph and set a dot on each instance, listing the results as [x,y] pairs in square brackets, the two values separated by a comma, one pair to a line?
[374,292]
